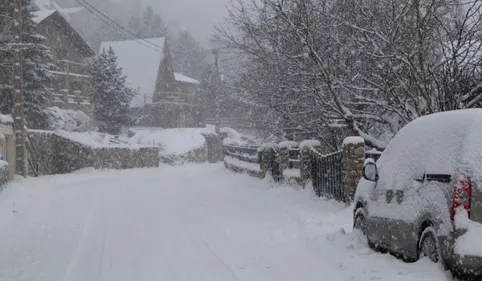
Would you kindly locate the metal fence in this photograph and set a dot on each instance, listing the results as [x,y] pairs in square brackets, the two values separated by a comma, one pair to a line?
[246,154]
[327,175]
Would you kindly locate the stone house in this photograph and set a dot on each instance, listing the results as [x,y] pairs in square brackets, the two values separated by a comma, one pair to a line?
[163,98]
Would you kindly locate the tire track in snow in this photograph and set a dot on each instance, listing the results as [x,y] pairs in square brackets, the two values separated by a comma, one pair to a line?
[83,238]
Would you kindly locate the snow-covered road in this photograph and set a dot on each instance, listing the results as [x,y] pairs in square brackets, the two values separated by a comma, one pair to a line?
[193,223]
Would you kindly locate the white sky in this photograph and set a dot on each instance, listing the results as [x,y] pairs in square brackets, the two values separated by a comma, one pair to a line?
[197,16]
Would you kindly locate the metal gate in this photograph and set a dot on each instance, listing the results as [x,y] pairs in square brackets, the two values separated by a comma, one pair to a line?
[327,175]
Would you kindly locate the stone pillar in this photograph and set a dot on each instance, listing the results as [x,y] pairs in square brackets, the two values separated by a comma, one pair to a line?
[267,157]
[306,148]
[284,155]
[352,165]
[214,146]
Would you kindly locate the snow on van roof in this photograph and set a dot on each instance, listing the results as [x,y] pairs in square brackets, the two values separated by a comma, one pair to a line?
[439,143]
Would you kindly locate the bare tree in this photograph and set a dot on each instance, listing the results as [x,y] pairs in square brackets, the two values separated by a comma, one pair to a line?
[372,66]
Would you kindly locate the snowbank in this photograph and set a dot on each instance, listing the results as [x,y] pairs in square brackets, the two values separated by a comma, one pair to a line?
[6,119]
[291,173]
[267,147]
[99,140]
[353,140]
[288,144]
[180,141]
[176,141]
[467,244]
[310,143]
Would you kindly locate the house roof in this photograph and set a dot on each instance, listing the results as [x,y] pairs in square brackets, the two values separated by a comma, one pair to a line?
[184,79]
[140,62]
[42,15]
[52,4]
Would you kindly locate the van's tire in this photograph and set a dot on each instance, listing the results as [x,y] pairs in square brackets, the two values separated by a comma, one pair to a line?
[360,221]
[428,245]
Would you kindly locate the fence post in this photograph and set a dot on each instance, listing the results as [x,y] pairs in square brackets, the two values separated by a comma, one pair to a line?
[214,146]
[352,165]
[305,158]
[267,156]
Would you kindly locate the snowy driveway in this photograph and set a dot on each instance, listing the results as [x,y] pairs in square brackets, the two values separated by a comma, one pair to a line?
[193,223]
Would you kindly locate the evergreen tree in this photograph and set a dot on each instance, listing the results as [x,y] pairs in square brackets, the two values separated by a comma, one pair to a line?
[150,25]
[189,57]
[111,97]
[36,63]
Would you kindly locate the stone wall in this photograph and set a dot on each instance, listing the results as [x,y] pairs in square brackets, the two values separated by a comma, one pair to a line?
[58,155]
[198,155]
[352,163]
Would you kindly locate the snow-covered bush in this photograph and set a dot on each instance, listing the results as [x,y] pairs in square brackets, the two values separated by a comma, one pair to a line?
[69,120]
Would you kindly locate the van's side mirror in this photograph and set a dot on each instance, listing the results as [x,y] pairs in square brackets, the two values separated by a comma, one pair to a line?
[370,171]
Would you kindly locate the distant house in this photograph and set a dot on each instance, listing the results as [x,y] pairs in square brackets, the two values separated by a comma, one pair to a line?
[164,98]
[52,5]
[70,52]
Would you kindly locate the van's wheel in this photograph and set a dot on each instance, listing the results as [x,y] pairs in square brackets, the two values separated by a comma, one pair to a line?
[428,245]
[360,221]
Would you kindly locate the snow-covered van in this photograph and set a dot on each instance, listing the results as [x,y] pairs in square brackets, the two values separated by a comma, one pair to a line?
[423,197]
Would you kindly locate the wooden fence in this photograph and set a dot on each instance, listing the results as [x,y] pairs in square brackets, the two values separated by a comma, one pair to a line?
[246,154]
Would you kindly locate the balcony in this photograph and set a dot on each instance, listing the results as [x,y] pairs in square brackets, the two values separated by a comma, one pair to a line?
[70,86]
[71,69]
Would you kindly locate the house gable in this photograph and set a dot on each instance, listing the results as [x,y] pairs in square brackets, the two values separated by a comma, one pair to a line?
[165,82]
[64,41]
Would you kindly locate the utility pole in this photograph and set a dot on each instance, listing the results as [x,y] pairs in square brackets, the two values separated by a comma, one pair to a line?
[18,91]
[216,87]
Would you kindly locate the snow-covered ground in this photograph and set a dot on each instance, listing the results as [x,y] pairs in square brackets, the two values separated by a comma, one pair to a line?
[192,222]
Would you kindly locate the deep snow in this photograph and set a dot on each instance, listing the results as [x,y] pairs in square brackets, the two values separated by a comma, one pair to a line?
[192,222]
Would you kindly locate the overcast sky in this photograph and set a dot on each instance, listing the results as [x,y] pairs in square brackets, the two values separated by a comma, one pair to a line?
[197,16]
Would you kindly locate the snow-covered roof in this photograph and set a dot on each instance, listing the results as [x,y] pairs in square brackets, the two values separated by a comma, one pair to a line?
[39,16]
[140,62]
[51,4]
[184,79]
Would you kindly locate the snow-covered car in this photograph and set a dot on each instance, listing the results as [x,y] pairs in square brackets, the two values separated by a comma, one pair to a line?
[423,197]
